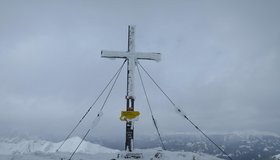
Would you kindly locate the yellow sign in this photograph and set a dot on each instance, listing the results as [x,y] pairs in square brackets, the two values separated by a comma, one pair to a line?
[129,115]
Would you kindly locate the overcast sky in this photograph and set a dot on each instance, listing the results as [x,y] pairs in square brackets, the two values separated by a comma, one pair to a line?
[220,63]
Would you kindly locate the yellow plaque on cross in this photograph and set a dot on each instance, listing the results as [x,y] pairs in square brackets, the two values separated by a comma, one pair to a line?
[129,115]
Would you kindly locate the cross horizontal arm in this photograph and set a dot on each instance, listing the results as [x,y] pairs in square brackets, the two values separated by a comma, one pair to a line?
[113,54]
[148,56]
[133,55]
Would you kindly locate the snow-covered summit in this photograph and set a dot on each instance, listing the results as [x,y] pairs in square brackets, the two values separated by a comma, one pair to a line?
[17,145]
[22,149]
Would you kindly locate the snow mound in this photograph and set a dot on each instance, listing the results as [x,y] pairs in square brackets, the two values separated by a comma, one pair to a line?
[22,149]
[148,154]
[17,145]
[276,157]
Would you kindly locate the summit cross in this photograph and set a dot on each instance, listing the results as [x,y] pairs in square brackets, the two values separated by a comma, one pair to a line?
[132,57]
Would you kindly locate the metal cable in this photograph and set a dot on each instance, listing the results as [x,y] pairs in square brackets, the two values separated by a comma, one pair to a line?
[91,106]
[184,115]
[96,120]
[79,144]
[148,102]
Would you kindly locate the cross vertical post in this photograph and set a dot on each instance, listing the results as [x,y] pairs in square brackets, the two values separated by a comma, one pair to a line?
[130,97]
[132,57]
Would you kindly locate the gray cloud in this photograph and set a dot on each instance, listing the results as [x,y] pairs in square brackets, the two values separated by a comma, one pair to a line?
[220,62]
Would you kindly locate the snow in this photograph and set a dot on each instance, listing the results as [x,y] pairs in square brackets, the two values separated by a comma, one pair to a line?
[246,146]
[147,155]
[276,157]
[16,145]
[22,149]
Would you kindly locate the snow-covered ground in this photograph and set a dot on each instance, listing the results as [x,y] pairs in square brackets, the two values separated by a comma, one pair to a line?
[22,149]
[18,145]
[276,157]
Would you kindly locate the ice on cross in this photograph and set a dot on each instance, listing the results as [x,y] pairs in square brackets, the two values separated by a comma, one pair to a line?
[132,56]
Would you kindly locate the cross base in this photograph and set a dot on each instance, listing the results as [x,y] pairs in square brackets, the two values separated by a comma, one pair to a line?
[130,155]
[157,155]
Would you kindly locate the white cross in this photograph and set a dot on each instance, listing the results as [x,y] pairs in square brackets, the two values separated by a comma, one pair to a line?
[132,56]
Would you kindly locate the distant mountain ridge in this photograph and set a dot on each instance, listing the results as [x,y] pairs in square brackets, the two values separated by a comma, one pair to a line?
[18,145]
[240,145]
[249,145]
[23,149]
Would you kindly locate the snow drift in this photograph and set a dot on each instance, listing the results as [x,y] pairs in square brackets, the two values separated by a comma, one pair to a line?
[22,149]
[18,145]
